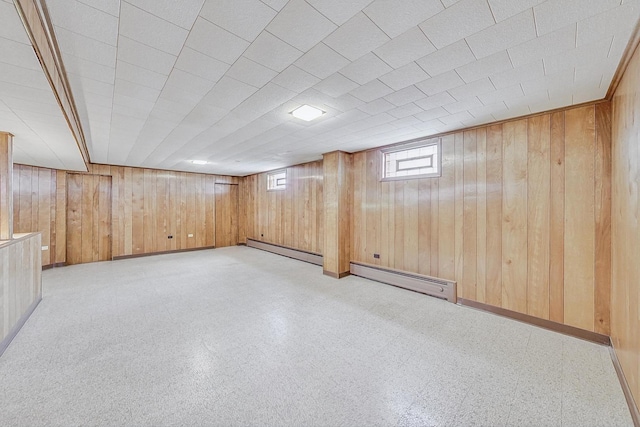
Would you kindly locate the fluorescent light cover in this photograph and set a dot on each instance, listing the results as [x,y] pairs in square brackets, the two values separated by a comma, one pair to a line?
[307,113]
[199,162]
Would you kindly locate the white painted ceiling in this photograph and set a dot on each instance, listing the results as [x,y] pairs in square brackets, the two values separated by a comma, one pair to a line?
[161,82]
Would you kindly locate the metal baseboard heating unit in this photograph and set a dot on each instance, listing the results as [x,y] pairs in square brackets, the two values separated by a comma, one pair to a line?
[288,252]
[433,286]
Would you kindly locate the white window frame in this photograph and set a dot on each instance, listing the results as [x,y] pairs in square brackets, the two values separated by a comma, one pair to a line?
[409,146]
[270,179]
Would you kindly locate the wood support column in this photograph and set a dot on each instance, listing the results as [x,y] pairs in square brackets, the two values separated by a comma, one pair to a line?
[6,186]
[338,188]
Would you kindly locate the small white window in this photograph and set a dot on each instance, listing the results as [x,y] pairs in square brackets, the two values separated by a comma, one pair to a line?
[417,160]
[277,180]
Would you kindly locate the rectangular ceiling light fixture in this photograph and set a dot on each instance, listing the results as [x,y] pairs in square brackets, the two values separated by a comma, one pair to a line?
[307,113]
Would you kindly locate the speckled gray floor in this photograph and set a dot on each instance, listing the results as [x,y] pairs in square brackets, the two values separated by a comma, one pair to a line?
[237,336]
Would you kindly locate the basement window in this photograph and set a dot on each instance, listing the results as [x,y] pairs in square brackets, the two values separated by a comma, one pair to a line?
[416,160]
[277,180]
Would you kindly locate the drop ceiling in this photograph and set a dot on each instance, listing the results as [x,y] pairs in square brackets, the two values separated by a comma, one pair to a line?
[160,82]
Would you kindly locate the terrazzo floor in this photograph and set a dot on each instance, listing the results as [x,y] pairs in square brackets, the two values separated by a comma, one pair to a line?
[238,336]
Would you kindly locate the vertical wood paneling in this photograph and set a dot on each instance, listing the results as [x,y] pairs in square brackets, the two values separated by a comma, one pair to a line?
[290,217]
[625,238]
[579,236]
[498,217]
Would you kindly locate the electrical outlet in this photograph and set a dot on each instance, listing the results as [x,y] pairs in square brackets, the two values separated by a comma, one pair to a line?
[169,237]
[190,235]
[45,248]
[261,235]
[376,256]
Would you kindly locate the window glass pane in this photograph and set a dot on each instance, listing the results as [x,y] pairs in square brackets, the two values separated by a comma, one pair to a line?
[414,161]
[277,180]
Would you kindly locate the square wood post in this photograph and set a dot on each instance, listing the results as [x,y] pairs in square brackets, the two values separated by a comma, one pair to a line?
[6,186]
[338,183]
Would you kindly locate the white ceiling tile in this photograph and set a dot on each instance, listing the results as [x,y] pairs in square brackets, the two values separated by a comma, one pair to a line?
[85,47]
[182,13]
[141,76]
[201,65]
[505,94]
[150,30]
[440,83]
[84,20]
[376,107]
[397,17]
[276,5]
[405,111]
[447,59]
[614,21]
[484,67]
[461,20]
[227,48]
[488,110]
[405,48]
[144,56]
[339,11]
[555,42]
[10,24]
[272,52]
[373,90]
[247,71]
[465,105]
[405,96]
[365,69]
[136,91]
[404,76]
[510,32]
[345,102]
[456,118]
[503,9]
[356,37]
[336,85]
[437,100]
[188,82]
[112,7]
[556,81]
[295,79]
[228,93]
[300,25]
[321,61]
[473,89]
[555,14]
[23,76]
[434,113]
[244,18]
[583,55]
[89,69]
[518,75]
[22,55]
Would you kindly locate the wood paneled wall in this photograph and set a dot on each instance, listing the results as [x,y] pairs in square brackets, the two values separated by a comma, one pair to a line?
[147,206]
[291,217]
[625,312]
[520,217]
[20,280]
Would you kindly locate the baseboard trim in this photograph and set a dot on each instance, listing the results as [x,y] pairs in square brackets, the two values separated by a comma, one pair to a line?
[633,408]
[542,323]
[116,258]
[56,265]
[14,331]
[336,275]
[298,254]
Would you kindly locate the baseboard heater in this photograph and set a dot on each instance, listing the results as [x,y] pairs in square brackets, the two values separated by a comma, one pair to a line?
[433,286]
[288,252]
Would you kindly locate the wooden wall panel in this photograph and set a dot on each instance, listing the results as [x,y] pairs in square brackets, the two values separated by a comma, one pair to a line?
[147,206]
[292,217]
[625,238]
[521,214]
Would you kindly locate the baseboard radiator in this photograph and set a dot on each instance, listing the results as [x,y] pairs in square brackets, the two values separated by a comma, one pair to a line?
[288,252]
[433,286]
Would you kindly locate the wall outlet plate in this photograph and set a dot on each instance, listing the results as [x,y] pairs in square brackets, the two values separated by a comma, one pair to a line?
[376,256]
[45,248]
[190,235]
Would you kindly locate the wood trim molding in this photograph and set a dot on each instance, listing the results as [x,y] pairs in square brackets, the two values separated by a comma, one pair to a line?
[4,344]
[542,323]
[116,258]
[336,276]
[632,46]
[633,408]
[298,254]
[35,18]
